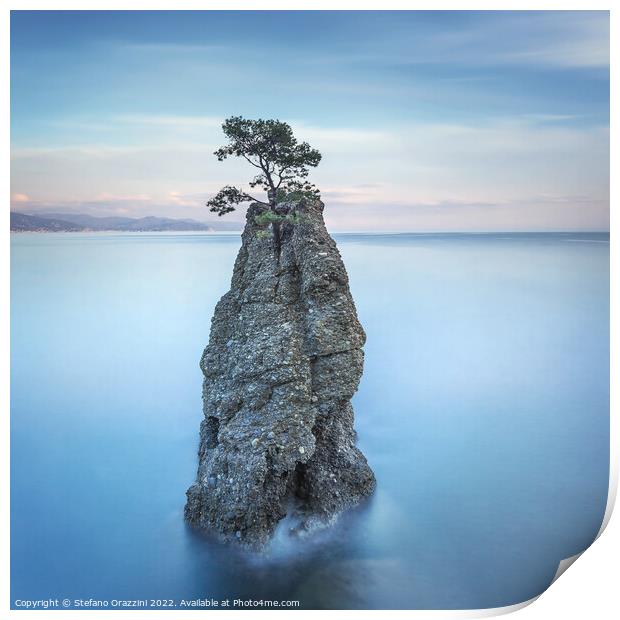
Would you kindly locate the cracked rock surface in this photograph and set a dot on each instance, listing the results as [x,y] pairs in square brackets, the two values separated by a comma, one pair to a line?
[284,359]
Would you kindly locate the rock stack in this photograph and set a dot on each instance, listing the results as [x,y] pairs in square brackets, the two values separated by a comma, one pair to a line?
[284,359]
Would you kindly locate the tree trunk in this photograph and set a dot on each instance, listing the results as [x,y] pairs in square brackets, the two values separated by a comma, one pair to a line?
[271,197]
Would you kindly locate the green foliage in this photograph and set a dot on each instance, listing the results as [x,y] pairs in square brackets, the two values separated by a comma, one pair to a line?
[264,234]
[293,218]
[282,162]
[296,195]
[268,217]
[225,200]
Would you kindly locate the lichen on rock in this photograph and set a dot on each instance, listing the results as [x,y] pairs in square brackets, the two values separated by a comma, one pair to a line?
[284,359]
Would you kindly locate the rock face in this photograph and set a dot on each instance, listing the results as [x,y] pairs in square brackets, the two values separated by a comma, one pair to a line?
[284,359]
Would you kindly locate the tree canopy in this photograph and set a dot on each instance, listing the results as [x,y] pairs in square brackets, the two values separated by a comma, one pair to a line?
[281,161]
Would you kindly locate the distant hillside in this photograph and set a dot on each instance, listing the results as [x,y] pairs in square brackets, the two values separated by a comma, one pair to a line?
[75,222]
[22,222]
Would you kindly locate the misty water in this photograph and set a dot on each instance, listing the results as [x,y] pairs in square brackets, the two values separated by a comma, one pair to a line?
[483,411]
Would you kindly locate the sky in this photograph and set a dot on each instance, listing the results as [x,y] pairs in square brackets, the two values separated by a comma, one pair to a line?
[427,121]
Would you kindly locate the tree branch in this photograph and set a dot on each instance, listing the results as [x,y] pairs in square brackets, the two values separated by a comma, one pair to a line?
[250,161]
[256,200]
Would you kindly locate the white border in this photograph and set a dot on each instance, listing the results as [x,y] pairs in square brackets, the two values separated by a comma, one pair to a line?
[571,597]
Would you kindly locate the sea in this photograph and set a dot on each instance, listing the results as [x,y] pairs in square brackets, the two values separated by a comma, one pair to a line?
[483,411]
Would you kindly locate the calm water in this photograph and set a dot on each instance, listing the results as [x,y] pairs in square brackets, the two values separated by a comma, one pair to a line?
[483,411]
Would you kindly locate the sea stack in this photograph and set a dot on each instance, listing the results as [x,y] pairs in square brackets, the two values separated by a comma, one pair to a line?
[284,359]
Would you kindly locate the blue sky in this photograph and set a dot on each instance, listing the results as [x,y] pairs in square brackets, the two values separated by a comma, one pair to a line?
[426,120]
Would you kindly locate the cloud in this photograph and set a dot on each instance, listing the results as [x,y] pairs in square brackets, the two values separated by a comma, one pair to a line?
[552,39]
[502,161]
[560,215]
[169,120]
[551,118]
[184,200]
[20,198]
[577,39]
[168,48]
[133,206]
[107,197]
